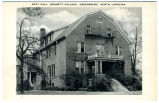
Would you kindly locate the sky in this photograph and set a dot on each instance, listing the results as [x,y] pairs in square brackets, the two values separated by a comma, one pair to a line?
[58,17]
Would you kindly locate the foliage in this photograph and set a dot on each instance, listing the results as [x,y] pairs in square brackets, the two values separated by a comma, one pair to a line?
[43,83]
[54,88]
[132,83]
[102,83]
[26,86]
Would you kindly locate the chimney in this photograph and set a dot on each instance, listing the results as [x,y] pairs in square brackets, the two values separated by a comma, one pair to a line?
[42,34]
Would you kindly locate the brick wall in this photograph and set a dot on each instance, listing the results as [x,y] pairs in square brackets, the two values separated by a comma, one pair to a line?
[78,35]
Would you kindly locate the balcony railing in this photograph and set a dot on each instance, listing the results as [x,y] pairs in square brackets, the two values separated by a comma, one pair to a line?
[100,32]
[107,56]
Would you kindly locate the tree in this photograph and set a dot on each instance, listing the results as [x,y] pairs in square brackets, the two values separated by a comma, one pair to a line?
[25,40]
[137,45]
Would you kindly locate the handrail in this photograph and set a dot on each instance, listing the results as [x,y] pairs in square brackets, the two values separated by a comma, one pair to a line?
[105,56]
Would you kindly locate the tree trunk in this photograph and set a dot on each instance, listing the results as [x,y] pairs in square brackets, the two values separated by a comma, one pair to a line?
[21,76]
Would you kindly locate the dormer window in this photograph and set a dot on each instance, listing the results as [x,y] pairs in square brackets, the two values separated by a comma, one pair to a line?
[109,32]
[88,29]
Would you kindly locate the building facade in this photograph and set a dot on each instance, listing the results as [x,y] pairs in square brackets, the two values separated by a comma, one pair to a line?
[93,44]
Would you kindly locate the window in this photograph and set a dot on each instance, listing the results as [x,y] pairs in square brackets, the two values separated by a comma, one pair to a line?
[50,38]
[77,66]
[88,29]
[118,50]
[109,32]
[55,49]
[80,67]
[51,70]
[46,41]
[100,48]
[48,53]
[80,47]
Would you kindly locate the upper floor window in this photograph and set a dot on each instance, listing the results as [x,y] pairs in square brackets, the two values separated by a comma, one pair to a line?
[50,37]
[88,29]
[100,48]
[118,50]
[80,47]
[55,49]
[109,32]
[48,53]
[46,41]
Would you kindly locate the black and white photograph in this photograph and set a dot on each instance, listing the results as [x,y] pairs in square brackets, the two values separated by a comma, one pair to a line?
[79,51]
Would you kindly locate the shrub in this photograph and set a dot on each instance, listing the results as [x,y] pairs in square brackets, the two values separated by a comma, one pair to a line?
[102,83]
[75,80]
[54,88]
[18,87]
[132,83]
[43,84]
[137,83]
[26,85]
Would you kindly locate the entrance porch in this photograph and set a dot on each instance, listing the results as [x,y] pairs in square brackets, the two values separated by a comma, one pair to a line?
[104,65]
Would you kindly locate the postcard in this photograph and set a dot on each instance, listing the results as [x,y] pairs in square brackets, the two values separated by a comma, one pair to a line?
[53,50]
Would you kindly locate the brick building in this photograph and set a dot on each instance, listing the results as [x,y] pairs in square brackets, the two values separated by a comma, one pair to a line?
[95,44]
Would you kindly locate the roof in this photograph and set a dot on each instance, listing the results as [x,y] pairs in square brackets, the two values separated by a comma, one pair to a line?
[63,32]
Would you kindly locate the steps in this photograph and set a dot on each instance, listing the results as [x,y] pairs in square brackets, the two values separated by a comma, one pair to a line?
[118,87]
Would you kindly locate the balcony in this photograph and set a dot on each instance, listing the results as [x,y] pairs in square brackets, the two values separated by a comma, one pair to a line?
[105,56]
[100,32]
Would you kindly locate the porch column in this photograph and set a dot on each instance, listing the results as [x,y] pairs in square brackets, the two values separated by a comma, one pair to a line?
[96,67]
[100,67]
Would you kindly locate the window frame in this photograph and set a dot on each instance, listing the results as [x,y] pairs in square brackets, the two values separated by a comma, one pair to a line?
[109,30]
[80,48]
[79,66]
[118,50]
[88,29]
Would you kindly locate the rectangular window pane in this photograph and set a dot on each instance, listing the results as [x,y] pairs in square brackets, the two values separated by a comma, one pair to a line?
[120,50]
[49,71]
[82,47]
[77,65]
[54,70]
[78,47]
[80,67]
[109,32]
[116,50]
[88,29]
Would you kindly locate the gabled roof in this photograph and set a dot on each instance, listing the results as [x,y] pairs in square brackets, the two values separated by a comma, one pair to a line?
[71,27]
[66,30]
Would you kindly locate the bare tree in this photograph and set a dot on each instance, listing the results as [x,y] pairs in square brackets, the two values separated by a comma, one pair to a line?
[135,50]
[25,40]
